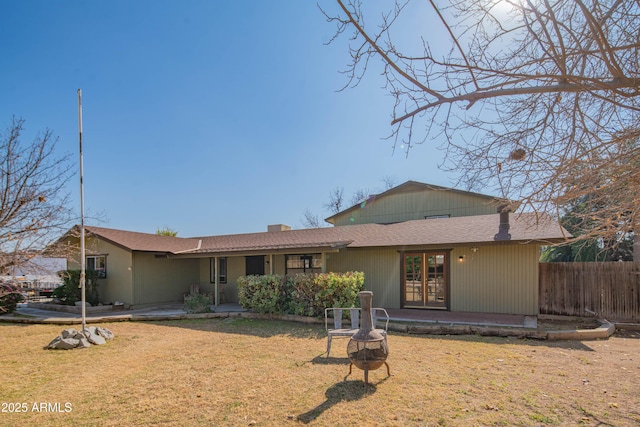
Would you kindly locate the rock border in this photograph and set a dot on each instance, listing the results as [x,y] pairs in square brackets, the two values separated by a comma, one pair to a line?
[605,330]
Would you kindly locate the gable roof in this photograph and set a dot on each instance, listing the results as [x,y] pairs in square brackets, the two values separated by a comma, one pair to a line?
[413,186]
[443,232]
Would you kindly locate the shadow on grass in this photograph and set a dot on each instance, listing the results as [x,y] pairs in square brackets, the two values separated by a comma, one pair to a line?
[263,328]
[345,391]
[322,359]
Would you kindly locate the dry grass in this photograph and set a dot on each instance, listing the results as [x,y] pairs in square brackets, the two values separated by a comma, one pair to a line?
[253,372]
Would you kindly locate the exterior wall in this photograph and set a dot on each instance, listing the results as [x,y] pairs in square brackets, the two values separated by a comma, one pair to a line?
[118,285]
[381,269]
[160,280]
[417,205]
[495,279]
[235,269]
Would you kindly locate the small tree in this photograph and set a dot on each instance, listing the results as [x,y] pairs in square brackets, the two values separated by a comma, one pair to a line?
[69,293]
[166,231]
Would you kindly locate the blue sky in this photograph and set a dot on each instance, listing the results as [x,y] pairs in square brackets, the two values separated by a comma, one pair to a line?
[207,117]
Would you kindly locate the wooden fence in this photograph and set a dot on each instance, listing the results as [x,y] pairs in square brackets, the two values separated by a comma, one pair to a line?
[609,290]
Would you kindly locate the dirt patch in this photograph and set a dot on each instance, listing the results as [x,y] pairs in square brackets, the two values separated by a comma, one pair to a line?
[567,324]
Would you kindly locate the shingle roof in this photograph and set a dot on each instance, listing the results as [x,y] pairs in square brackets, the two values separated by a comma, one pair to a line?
[480,229]
[135,241]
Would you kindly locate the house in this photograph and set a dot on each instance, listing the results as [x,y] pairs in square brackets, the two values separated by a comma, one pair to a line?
[419,245]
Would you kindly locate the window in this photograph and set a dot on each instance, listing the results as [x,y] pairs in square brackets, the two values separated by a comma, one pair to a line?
[304,264]
[222,270]
[99,264]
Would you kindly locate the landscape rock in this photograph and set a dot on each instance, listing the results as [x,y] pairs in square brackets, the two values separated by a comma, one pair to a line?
[69,333]
[95,339]
[83,343]
[60,343]
[71,338]
[105,333]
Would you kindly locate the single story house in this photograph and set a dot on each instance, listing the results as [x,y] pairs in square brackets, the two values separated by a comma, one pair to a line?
[419,245]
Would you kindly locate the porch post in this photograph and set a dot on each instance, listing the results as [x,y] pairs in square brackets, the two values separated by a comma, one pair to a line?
[271,264]
[215,280]
[323,257]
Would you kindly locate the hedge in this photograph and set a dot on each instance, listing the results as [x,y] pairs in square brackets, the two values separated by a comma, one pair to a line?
[301,294]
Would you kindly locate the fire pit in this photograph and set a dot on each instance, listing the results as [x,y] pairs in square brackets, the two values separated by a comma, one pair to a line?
[367,348]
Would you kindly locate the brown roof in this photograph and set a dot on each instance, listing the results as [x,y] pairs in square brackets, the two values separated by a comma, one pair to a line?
[479,229]
[135,241]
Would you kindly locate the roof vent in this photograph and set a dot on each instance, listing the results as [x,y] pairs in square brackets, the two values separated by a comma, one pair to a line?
[278,227]
[503,229]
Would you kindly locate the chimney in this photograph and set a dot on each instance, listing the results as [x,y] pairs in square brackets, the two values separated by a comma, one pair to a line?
[278,227]
[503,229]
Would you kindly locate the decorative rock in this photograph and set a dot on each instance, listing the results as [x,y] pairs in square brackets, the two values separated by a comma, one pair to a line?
[105,333]
[69,333]
[83,343]
[95,339]
[72,338]
[60,343]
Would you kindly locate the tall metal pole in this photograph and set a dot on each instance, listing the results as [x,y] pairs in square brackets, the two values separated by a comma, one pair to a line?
[82,248]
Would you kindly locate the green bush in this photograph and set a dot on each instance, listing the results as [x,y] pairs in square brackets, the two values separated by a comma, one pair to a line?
[262,294]
[197,303]
[70,291]
[302,294]
[10,296]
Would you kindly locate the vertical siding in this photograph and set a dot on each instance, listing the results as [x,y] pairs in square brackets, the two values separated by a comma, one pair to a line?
[381,269]
[495,279]
[159,280]
[410,206]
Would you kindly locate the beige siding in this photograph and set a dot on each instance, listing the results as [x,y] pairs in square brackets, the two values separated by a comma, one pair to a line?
[417,205]
[495,279]
[160,280]
[118,285]
[381,268]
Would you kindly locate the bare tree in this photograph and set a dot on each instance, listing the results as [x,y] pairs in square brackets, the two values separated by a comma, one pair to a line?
[311,220]
[538,101]
[34,206]
[336,200]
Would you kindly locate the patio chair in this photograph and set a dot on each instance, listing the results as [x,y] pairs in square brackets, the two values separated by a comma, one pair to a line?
[337,330]
[354,313]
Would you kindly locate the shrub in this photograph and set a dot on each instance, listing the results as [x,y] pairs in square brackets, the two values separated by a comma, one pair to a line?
[311,294]
[70,291]
[302,294]
[262,294]
[10,296]
[197,303]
